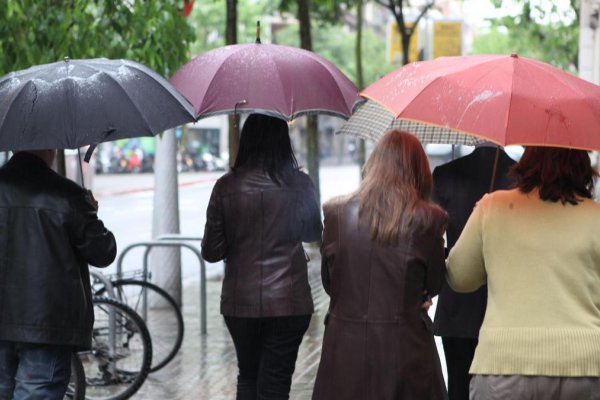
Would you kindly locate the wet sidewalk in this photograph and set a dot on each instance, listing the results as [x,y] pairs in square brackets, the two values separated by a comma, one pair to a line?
[206,369]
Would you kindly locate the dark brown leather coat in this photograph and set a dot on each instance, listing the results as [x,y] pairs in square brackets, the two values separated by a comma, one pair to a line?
[378,343]
[258,227]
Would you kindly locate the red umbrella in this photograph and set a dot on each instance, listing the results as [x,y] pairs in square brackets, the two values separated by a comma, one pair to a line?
[278,80]
[503,99]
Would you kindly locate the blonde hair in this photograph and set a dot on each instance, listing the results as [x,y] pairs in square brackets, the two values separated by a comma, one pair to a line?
[396,181]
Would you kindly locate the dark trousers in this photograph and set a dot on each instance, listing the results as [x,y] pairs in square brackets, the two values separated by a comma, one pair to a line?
[266,349]
[459,354]
[34,371]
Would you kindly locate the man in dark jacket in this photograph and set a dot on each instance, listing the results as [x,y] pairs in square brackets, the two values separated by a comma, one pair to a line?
[457,186]
[49,233]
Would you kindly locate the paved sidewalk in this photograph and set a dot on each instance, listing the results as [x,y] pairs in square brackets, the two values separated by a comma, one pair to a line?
[206,369]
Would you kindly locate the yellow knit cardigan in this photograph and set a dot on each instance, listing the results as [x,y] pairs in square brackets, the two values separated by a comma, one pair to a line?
[541,262]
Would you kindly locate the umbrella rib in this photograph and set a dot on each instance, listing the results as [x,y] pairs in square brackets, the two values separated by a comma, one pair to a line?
[118,84]
[560,76]
[327,67]
[510,100]
[17,95]
[158,80]
[212,82]
[289,106]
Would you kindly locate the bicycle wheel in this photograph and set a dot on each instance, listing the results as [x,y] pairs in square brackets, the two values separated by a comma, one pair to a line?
[121,354]
[163,316]
[76,388]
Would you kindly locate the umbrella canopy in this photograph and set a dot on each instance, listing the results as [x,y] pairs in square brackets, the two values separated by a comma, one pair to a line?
[504,99]
[371,120]
[281,81]
[73,103]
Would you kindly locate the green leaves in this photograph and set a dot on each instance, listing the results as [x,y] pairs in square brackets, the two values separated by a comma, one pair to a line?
[541,30]
[43,31]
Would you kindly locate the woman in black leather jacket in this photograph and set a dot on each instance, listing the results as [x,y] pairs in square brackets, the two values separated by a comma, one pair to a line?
[258,216]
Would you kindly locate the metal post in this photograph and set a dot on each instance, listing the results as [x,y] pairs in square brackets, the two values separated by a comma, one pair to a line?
[175,244]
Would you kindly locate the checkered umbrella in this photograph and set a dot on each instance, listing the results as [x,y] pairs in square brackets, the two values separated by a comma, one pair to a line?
[371,121]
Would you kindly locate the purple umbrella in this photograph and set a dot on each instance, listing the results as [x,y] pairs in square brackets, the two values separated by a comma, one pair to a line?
[281,81]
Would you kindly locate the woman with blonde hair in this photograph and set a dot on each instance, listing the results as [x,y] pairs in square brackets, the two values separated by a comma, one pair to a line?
[383,248]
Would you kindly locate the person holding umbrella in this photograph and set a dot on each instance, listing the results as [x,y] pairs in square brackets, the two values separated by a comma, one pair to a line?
[537,247]
[49,233]
[257,218]
[383,249]
[457,186]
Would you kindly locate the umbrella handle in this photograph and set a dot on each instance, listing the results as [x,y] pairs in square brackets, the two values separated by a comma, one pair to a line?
[494,169]
[80,163]
[239,103]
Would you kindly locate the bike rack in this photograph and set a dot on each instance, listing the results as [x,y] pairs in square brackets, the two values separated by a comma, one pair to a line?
[172,240]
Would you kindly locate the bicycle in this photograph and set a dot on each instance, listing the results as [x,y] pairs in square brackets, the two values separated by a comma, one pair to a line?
[119,361]
[158,309]
[76,388]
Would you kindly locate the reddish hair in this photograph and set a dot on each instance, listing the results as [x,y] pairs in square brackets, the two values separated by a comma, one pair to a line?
[396,181]
[559,174]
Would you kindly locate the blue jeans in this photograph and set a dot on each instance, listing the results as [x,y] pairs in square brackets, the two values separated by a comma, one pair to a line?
[31,371]
[266,350]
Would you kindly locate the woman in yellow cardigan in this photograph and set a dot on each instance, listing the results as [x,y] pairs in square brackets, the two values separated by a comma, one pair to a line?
[538,249]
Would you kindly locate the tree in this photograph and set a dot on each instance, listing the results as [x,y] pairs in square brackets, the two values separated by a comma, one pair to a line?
[153,33]
[540,29]
[397,8]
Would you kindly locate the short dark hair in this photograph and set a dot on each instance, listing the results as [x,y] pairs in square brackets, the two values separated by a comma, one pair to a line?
[266,140]
[559,174]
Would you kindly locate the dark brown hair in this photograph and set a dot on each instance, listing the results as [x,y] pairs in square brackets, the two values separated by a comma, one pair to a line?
[266,139]
[396,179]
[559,174]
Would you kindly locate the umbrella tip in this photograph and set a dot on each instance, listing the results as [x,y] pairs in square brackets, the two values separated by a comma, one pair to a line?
[66,59]
[514,55]
[257,31]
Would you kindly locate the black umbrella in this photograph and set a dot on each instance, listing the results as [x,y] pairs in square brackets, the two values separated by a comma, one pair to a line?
[73,103]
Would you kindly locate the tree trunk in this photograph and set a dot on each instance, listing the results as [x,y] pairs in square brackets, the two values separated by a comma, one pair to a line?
[405,47]
[405,32]
[234,120]
[312,138]
[361,150]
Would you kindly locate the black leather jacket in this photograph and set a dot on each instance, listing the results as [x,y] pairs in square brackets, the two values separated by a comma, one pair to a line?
[258,228]
[49,232]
